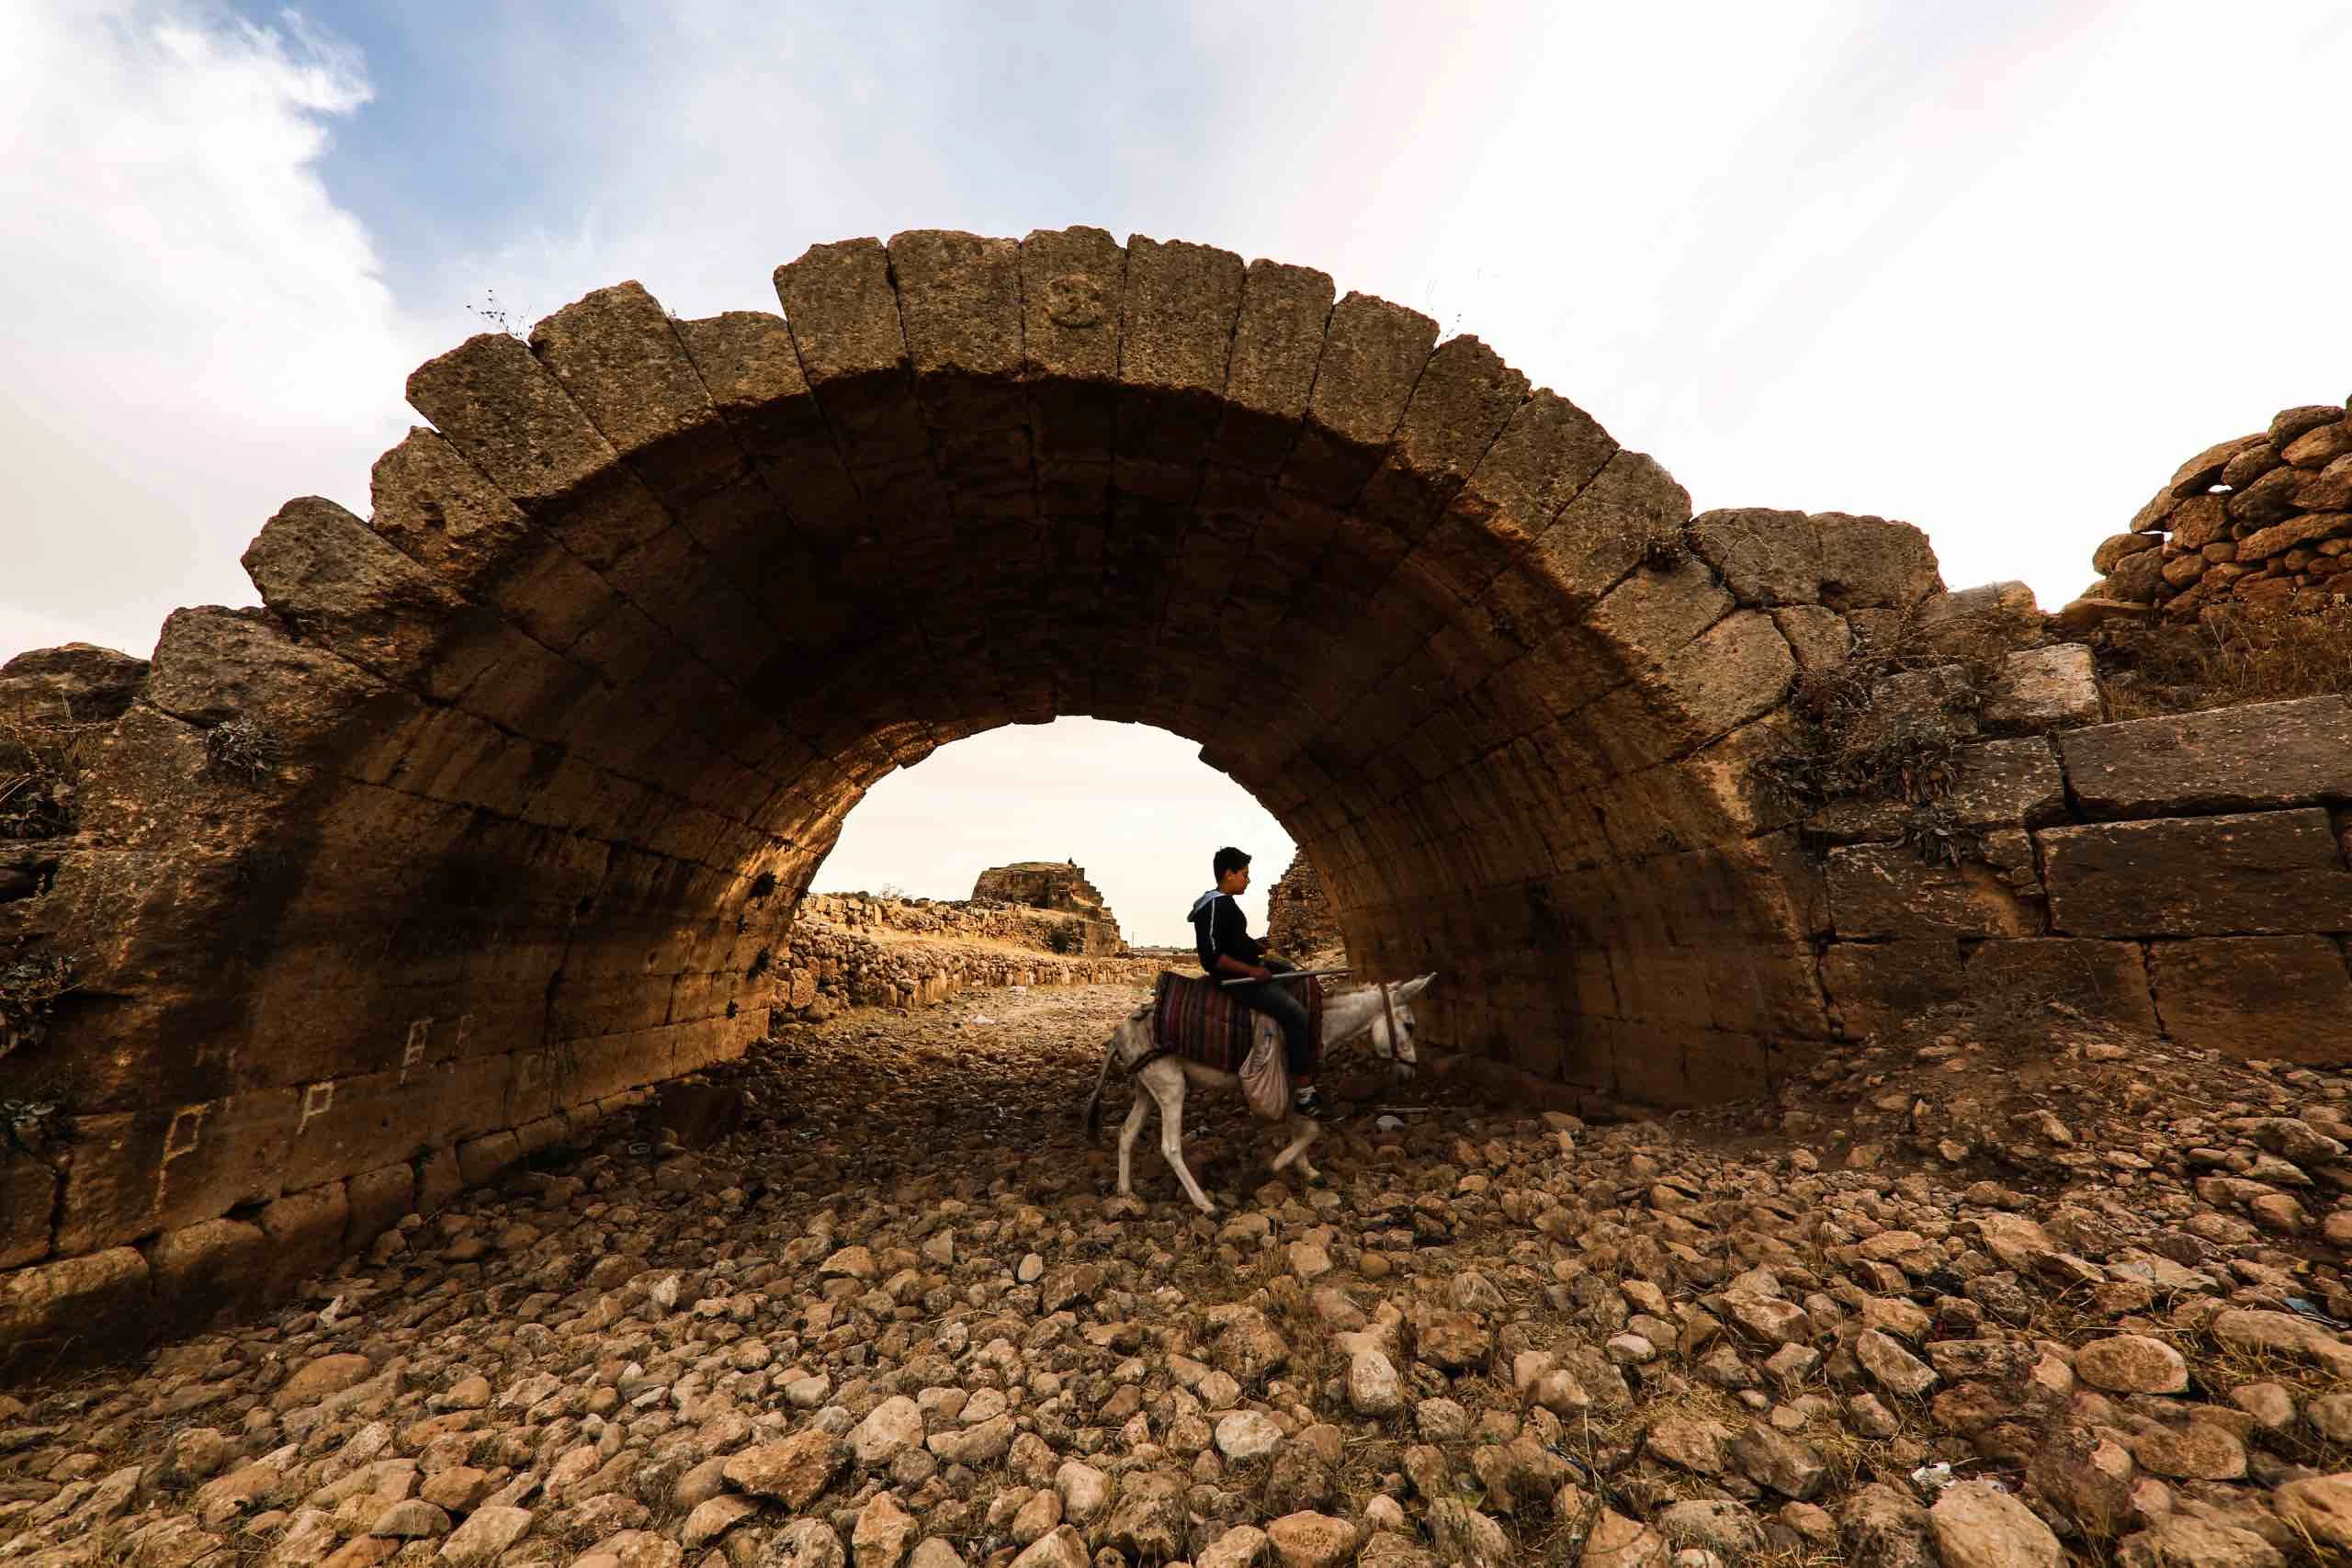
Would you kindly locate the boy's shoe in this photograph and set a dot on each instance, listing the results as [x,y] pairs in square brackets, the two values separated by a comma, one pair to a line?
[1308,1104]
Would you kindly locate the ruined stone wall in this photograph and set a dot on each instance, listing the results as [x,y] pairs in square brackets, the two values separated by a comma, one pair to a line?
[1298,917]
[498,809]
[1042,884]
[2185,876]
[832,960]
[1058,886]
[2264,520]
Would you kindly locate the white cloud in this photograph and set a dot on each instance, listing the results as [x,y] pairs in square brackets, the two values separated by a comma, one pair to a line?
[198,332]
[1991,269]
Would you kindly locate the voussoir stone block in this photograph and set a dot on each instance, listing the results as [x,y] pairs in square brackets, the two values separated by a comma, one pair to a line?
[2250,873]
[1766,557]
[214,665]
[1372,356]
[2257,997]
[959,303]
[1464,399]
[1547,452]
[342,585]
[752,371]
[1872,563]
[2251,758]
[1613,522]
[843,312]
[499,406]
[1654,613]
[1182,302]
[1269,369]
[616,353]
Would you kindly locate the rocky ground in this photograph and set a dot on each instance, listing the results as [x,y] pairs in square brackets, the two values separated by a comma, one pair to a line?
[1949,1302]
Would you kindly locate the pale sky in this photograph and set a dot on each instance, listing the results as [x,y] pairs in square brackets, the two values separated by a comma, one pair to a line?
[1993,268]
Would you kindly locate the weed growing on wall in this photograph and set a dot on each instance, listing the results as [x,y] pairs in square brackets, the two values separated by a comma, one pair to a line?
[32,1123]
[1885,723]
[33,789]
[30,984]
[242,749]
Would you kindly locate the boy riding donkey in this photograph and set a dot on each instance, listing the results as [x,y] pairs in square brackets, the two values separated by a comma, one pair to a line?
[1228,952]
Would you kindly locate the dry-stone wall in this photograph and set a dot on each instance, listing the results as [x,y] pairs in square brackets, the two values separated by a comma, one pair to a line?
[836,957]
[2263,521]
[497,809]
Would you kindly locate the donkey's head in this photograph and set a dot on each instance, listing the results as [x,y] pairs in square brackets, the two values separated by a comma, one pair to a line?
[1398,1051]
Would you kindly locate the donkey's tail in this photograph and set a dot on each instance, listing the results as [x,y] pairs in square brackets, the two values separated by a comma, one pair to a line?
[1092,1110]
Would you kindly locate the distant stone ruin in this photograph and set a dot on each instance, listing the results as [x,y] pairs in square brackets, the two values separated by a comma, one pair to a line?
[1298,917]
[497,811]
[2263,521]
[1042,884]
[1060,886]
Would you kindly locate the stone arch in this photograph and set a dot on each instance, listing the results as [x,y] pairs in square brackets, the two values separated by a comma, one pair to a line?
[500,806]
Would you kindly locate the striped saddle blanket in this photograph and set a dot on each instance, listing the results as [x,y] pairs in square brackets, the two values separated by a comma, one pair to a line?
[1195,1018]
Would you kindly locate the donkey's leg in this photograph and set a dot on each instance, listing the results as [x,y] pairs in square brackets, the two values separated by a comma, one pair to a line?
[1305,1130]
[1168,1088]
[1128,1131]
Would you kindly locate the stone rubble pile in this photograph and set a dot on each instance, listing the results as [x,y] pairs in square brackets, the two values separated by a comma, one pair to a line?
[840,953]
[2264,520]
[896,1322]
[1299,923]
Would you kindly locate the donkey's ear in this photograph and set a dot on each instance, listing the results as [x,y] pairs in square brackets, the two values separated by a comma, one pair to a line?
[1412,988]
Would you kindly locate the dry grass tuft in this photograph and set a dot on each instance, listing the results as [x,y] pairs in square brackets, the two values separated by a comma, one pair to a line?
[242,749]
[1885,723]
[30,984]
[2228,655]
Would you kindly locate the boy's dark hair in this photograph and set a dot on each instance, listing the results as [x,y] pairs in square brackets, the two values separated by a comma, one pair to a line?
[1229,859]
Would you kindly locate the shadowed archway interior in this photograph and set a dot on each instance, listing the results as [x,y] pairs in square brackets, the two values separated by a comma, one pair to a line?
[557,737]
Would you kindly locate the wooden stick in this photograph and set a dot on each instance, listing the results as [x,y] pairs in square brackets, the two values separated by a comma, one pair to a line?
[1290,975]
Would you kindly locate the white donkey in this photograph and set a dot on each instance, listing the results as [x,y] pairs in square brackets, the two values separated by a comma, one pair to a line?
[1164,1078]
